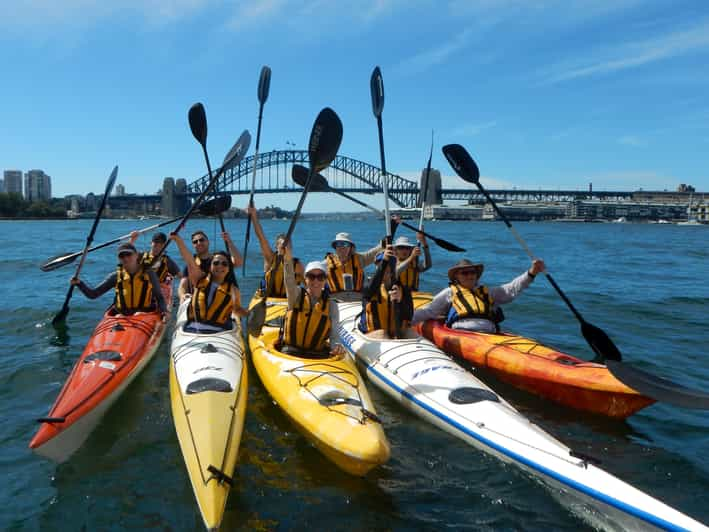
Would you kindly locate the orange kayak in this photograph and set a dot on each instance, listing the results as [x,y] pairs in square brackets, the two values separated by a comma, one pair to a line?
[118,350]
[540,370]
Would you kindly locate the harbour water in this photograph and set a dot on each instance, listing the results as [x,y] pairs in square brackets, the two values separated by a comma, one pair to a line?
[643,284]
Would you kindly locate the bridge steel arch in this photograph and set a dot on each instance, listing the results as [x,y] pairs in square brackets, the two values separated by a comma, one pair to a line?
[274,176]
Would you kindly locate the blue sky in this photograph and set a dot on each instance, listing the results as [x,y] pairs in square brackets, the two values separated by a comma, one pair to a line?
[544,94]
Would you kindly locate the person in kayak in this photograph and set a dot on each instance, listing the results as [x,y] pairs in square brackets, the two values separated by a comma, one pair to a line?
[387,304]
[165,265]
[308,326]
[215,300]
[273,260]
[137,288]
[470,306]
[202,257]
[408,267]
[345,267]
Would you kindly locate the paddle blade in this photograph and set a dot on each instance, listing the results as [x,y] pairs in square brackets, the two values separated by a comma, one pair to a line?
[60,318]
[256,318]
[264,83]
[376,85]
[448,246]
[300,176]
[325,139]
[58,261]
[215,206]
[658,388]
[461,161]
[198,123]
[237,151]
[599,341]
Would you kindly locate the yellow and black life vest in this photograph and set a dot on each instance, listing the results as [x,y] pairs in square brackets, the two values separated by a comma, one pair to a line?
[160,269]
[218,311]
[134,293]
[379,313]
[204,264]
[336,269]
[274,277]
[476,303]
[410,276]
[307,326]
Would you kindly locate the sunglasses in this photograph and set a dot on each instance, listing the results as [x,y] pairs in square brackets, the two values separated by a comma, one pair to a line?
[199,240]
[315,276]
[220,263]
[470,272]
[342,244]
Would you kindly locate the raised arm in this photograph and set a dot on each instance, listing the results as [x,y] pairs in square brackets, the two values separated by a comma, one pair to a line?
[427,263]
[194,272]
[236,258]
[289,277]
[266,250]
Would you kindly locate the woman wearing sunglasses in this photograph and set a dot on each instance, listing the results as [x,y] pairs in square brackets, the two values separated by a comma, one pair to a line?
[345,267]
[215,300]
[137,288]
[307,329]
[470,306]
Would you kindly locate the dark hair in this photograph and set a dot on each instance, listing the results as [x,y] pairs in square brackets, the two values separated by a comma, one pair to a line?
[160,238]
[200,232]
[230,274]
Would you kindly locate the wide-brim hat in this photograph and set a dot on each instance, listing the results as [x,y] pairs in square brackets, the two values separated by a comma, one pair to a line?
[343,237]
[462,265]
[315,265]
[403,242]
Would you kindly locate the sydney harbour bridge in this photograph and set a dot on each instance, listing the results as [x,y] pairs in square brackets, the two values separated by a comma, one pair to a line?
[273,176]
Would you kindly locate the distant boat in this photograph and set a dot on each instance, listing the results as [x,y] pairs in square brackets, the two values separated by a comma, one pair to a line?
[691,220]
[620,220]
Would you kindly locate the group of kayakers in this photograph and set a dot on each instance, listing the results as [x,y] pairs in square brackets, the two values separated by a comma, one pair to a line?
[387,303]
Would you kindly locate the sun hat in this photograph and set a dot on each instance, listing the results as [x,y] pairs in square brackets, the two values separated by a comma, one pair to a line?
[462,265]
[343,237]
[315,265]
[403,241]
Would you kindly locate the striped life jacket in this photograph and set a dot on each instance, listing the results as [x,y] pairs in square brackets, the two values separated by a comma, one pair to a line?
[307,326]
[336,269]
[160,268]
[410,276]
[216,312]
[274,277]
[465,303]
[379,313]
[134,293]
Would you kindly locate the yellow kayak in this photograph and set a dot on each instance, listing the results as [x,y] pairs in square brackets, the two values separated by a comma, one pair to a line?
[208,390]
[325,398]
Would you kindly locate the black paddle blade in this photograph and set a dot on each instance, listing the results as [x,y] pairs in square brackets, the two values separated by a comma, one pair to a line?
[462,162]
[215,206]
[58,261]
[325,139]
[376,85]
[599,341]
[448,246]
[264,83]
[237,151]
[256,318]
[658,388]
[198,123]
[60,318]
[300,176]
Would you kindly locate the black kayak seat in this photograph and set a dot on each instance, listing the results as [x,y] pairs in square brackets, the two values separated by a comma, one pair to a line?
[209,384]
[468,395]
[112,356]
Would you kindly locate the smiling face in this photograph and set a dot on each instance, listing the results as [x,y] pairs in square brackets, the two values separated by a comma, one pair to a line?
[219,267]
[315,282]
[200,243]
[342,249]
[402,252]
[468,277]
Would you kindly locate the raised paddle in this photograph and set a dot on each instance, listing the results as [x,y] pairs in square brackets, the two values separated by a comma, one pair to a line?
[325,139]
[61,315]
[604,348]
[198,125]
[424,189]
[208,208]
[320,184]
[264,83]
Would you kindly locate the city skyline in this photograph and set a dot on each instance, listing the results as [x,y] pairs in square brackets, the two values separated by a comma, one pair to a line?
[544,96]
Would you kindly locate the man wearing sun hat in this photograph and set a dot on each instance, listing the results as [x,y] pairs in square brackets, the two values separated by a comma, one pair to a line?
[346,264]
[408,267]
[470,306]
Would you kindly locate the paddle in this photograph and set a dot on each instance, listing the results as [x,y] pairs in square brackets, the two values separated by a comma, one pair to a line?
[61,315]
[198,125]
[604,348]
[264,84]
[208,208]
[320,184]
[325,139]
[424,190]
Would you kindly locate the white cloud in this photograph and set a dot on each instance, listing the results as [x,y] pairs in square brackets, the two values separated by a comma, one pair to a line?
[632,140]
[634,54]
[470,130]
[428,58]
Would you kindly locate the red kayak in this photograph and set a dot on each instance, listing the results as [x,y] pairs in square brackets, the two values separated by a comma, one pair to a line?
[540,370]
[118,350]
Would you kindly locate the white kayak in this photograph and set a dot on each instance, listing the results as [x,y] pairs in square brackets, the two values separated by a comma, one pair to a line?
[429,383]
[208,390]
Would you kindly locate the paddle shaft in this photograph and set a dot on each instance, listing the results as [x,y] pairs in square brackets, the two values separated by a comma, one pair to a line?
[253,188]
[291,228]
[385,185]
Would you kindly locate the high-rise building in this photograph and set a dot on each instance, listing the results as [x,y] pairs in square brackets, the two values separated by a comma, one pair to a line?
[38,186]
[120,190]
[2,186]
[13,181]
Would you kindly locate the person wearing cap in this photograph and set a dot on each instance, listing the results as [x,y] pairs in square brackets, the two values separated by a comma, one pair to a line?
[408,268]
[137,288]
[202,258]
[468,305]
[308,326]
[346,264]
[165,265]
[388,305]
[215,302]
[273,260]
